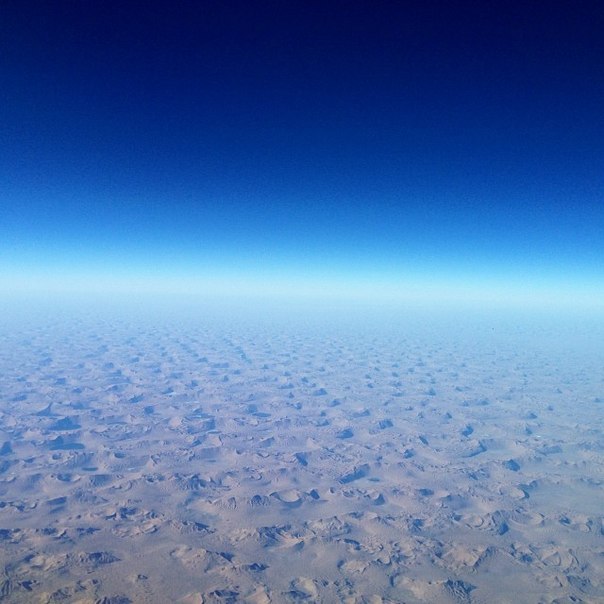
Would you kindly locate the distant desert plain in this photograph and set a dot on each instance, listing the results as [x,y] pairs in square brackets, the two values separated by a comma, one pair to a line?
[366,460]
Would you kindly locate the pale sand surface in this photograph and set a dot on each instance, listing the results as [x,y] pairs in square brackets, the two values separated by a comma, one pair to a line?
[194,461]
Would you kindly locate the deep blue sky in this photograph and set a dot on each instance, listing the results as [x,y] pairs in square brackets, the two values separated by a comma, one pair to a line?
[431,139]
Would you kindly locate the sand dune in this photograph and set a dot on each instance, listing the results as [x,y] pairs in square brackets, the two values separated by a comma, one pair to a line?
[155,463]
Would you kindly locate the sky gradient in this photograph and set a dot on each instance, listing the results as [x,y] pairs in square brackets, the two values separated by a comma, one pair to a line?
[303,145]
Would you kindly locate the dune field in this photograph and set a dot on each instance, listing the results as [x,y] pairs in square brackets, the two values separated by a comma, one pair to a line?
[197,460]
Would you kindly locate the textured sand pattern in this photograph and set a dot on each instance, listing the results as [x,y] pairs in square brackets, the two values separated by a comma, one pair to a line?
[206,463]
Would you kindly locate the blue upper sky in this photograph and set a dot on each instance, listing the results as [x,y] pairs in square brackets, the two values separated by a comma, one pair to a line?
[334,141]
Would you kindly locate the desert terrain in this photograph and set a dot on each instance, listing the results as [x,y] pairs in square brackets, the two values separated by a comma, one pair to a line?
[193,459]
